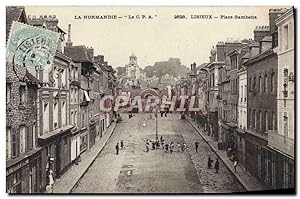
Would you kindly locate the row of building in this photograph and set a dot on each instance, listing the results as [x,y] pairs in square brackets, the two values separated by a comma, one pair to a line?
[53,117]
[246,95]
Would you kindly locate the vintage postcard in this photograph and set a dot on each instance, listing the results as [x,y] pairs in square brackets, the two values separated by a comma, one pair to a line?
[150,100]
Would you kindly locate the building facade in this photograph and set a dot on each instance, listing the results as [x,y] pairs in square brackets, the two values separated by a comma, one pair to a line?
[23,155]
[282,139]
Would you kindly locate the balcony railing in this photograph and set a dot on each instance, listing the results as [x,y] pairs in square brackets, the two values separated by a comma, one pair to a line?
[281,143]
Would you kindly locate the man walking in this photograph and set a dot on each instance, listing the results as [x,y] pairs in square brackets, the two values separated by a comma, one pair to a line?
[122,144]
[196,145]
[209,162]
[117,149]
[217,165]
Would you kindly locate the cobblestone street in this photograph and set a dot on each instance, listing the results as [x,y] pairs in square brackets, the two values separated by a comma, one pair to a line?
[135,170]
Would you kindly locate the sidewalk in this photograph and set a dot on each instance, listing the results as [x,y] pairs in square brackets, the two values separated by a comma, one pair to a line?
[66,182]
[246,179]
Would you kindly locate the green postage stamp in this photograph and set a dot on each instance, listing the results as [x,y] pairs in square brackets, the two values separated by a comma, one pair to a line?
[31,47]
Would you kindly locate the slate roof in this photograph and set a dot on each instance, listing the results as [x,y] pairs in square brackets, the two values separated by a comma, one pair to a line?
[13,13]
[77,53]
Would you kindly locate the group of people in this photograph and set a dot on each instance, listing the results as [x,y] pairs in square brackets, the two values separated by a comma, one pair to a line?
[217,164]
[169,147]
[119,146]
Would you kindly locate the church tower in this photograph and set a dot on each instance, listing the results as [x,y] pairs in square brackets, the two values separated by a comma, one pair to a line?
[132,69]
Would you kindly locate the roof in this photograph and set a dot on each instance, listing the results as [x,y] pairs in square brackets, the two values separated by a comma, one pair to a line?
[13,13]
[259,57]
[132,55]
[267,38]
[55,132]
[254,44]
[246,56]
[77,53]
[31,78]
[202,66]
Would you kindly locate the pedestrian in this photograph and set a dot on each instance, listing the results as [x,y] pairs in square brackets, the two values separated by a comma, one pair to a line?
[122,144]
[196,145]
[157,144]
[209,162]
[144,123]
[163,144]
[117,149]
[161,138]
[178,146]
[153,145]
[167,147]
[171,147]
[147,146]
[217,165]
[235,165]
[184,146]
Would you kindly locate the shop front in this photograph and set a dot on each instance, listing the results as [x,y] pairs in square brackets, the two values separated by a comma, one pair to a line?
[55,154]
[75,145]
[23,173]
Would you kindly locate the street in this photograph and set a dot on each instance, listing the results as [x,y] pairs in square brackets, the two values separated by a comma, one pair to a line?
[136,171]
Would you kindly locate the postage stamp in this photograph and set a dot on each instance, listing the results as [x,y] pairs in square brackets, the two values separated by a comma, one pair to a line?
[31,47]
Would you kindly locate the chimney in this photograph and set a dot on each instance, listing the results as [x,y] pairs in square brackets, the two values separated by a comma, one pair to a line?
[69,42]
[90,52]
[273,15]
[260,32]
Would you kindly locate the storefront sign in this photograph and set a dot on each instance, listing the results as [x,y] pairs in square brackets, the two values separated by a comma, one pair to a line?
[16,167]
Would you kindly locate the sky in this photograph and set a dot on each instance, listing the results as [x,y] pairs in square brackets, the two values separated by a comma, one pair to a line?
[156,39]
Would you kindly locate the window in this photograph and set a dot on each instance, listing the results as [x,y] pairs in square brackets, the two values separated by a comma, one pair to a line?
[245,120]
[259,84]
[285,126]
[286,37]
[250,117]
[75,118]
[270,122]
[272,82]
[8,92]
[22,95]
[72,91]
[22,137]
[75,94]
[260,119]
[14,143]
[266,120]
[72,121]
[274,121]
[250,83]
[8,142]
[266,84]
[34,135]
[236,86]
[254,118]
[254,84]
[241,93]
[245,94]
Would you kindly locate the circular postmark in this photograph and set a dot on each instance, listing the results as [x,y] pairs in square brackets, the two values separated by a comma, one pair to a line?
[31,47]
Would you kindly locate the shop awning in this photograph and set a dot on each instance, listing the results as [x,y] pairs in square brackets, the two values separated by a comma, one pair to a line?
[86,95]
[55,132]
